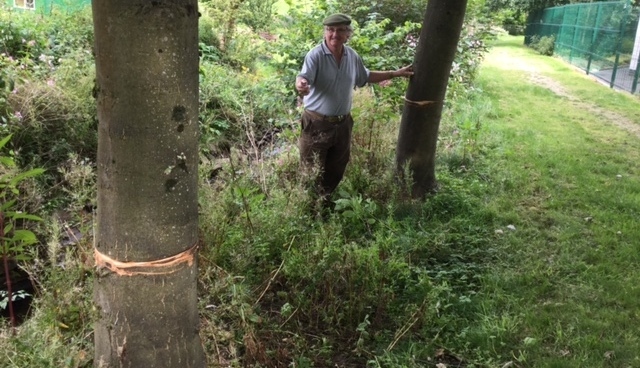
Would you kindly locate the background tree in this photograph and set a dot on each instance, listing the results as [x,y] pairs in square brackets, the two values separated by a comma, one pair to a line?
[147,225]
[525,6]
[435,53]
[512,14]
[397,11]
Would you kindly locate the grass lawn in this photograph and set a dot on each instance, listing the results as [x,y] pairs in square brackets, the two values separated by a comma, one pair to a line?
[562,154]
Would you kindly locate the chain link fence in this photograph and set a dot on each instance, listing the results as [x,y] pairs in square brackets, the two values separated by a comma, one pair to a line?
[601,38]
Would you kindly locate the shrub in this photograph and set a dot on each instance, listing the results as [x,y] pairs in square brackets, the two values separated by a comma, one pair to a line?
[543,45]
[47,78]
[472,47]
[513,21]
[51,125]
[240,109]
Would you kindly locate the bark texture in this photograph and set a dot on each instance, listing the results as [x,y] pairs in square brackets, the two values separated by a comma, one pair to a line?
[147,95]
[418,136]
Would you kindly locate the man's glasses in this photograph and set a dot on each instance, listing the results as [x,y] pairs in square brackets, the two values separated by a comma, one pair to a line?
[337,30]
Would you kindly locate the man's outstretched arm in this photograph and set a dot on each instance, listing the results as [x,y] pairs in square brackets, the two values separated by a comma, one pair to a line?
[378,76]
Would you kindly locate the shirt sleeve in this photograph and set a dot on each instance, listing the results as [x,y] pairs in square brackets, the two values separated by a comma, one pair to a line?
[309,68]
[362,73]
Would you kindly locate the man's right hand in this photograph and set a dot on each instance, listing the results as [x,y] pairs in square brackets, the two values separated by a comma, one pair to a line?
[302,86]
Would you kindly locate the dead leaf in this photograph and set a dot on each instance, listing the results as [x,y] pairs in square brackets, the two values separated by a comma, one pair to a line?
[609,354]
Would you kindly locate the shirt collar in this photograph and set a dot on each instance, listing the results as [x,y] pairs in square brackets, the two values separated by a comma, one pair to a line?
[326,50]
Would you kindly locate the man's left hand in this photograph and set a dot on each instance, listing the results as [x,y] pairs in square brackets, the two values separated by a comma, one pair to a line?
[406,71]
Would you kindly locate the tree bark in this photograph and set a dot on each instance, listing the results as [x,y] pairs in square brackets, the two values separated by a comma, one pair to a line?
[147,96]
[418,136]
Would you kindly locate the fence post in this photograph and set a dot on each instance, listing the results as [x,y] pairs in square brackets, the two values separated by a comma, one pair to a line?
[575,32]
[619,43]
[593,37]
[634,85]
[615,69]
[559,29]
[636,67]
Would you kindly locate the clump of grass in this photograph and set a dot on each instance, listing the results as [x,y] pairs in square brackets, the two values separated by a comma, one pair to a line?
[59,328]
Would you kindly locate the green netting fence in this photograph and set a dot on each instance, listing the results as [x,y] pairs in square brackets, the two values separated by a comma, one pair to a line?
[601,38]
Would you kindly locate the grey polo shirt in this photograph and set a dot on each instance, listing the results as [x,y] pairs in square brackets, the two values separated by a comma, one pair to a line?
[332,85]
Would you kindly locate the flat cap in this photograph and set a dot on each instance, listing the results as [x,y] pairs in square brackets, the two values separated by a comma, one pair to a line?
[337,20]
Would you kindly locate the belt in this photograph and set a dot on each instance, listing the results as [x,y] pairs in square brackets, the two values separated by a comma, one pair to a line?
[327,118]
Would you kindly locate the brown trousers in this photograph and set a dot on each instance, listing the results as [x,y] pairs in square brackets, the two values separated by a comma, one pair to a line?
[326,142]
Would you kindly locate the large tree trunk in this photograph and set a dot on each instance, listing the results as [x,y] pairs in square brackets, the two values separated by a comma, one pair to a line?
[147,93]
[418,134]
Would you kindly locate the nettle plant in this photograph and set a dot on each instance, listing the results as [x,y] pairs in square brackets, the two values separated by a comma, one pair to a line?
[14,236]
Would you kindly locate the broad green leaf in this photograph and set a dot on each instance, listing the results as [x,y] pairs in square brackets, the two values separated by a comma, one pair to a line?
[25,236]
[7,161]
[7,205]
[5,140]
[25,216]
[26,174]
[8,228]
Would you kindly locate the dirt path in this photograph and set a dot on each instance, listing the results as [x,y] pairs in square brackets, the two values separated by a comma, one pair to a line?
[536,76]
[607,116]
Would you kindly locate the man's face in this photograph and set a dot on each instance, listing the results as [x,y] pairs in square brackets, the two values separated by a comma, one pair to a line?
[336,35]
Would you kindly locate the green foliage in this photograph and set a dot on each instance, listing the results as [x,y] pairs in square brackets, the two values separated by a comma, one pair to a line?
[386,50]
[41,42]
[398,12]
[236,29]
[513,22]
[544,45]
[7,87]
[46,75]
[256,14]
[472,47]
[524,6]
[374,136]
[19,37]
[239,108]
[207,31]
[16,235]
[46,102]
[299,31]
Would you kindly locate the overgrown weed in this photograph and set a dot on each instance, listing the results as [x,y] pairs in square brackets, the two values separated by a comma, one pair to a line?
[365,280]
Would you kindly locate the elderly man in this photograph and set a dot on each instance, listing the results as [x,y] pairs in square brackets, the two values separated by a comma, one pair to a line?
[328,77]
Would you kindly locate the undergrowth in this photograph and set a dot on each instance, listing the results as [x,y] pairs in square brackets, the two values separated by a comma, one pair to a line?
[378,278]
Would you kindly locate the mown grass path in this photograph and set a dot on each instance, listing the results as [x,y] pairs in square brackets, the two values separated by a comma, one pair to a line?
[562,152]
